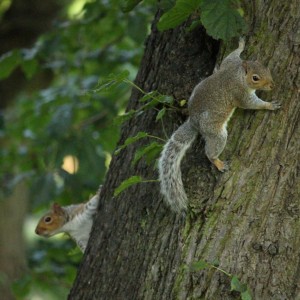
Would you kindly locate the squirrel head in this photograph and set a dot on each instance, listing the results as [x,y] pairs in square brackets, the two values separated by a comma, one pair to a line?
[258,77]
[51,223]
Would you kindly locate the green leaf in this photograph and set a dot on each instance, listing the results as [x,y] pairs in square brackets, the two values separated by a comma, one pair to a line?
[194,25]
[182,102]
[151,104]
[166,99]
[109,83]
[8,62]
[29,67]
[127,183]
[179,13]
[21,287]
[150,151]
[131,140]
[221,19]
[215,263]
[160,114]
[75,251]
[246,295]
[128,5]
[125,117]
[236,285]
[149,96]
[200,265]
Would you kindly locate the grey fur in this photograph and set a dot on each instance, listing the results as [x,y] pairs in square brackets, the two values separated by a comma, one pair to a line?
[211,105]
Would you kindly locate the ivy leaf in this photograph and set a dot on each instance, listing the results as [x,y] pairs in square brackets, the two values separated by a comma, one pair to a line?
[131,140]
[150,152]
[246,295]
[127,183]
[179,13]
[8,62]
[221,19]
[182,102]
[125,117]
[200,265]
[160,114]
[29,67]
[166,99]
[151,104]
[111,82]
[150,95]
[236,285]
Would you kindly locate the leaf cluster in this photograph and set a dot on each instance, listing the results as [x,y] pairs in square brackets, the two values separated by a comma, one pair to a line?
[222,19]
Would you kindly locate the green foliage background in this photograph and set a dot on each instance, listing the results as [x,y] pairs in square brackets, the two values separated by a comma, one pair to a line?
[75,113]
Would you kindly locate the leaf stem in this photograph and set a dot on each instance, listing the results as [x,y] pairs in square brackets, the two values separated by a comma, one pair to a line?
[156,137]
[134,85]
[150,180]
[221,270]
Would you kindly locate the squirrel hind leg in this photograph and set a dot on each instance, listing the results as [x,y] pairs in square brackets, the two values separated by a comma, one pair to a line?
[214,146]
[220,165]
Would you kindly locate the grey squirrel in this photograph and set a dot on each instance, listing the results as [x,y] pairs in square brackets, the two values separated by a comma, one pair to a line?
[210,106]
[76,220]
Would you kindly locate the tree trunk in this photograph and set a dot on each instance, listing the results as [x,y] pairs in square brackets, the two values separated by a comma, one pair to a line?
[12,251]
[247,219]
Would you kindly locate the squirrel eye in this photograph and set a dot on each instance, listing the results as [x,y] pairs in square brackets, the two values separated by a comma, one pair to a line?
[255,77]
[48,219]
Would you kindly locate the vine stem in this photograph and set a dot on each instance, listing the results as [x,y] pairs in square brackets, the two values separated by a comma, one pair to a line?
[134,85]
[144,93]
[221,270]
[150,180]
[156,137]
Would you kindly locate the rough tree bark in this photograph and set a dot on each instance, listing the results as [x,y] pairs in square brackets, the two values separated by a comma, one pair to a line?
[247,219]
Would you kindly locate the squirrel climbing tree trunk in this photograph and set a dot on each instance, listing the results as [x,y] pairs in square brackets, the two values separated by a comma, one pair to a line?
[243,223]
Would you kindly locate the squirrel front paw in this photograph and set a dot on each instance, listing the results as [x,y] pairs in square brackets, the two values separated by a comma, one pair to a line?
[242,43]
[275,105]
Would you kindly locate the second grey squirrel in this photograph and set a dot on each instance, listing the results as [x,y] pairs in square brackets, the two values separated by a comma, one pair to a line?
[76,220]
[210,106]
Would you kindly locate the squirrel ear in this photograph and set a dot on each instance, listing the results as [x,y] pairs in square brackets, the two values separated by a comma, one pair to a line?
[56,208]
[245,66]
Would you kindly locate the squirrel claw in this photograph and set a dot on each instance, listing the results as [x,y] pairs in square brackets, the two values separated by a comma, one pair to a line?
[275,105]
[226,167]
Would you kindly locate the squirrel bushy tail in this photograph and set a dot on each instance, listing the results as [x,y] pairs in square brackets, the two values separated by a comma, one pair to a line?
[169,166]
